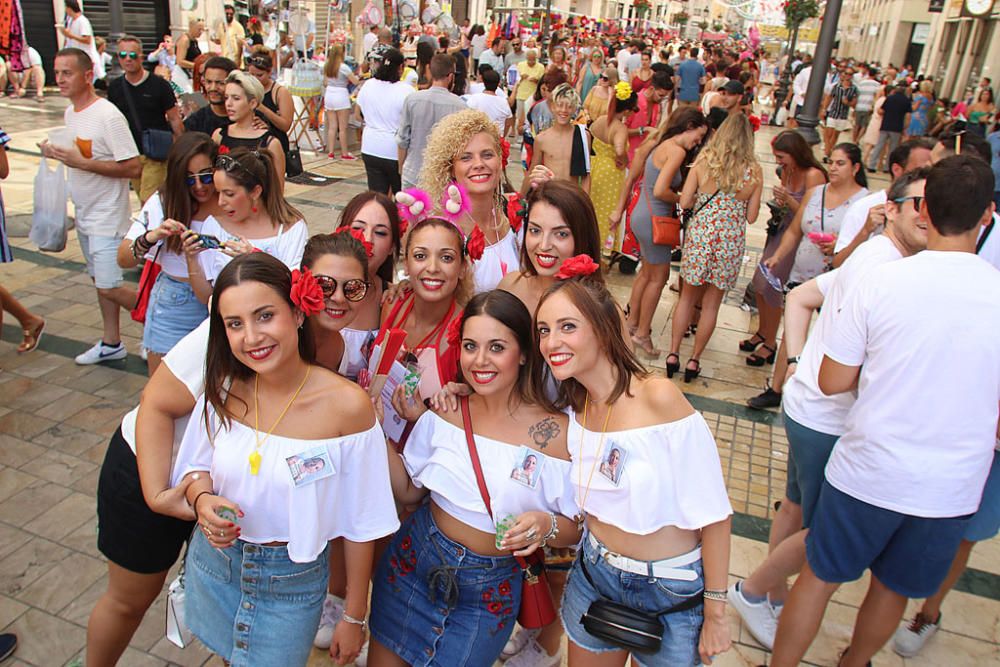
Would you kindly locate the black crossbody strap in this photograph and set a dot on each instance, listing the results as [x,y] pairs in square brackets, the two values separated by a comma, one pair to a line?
[986,235]
[131,105]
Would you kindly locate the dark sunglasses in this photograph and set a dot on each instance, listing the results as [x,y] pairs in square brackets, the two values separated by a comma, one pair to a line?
[128,54]
[355,289]
[228,163]
[604,78]
[915,198]
[260,62]
[204,176]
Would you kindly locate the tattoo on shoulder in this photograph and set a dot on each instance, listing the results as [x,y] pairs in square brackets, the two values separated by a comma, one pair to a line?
[544,431]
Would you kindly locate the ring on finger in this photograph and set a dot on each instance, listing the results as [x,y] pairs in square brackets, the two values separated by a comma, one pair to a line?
[531,534]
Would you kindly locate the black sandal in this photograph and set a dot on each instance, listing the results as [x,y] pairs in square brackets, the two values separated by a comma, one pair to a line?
[692,373]
[758,360]
[673,367]
[750,345]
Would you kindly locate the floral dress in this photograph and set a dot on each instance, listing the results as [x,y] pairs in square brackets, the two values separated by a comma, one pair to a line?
[716,239]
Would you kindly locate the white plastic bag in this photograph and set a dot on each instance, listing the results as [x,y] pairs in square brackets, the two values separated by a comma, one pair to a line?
[49,222]
[781,116]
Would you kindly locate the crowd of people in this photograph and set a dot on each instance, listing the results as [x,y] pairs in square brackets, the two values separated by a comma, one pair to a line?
[383,441]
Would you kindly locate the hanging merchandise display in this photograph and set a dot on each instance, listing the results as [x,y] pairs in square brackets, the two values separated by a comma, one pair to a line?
[431,12]
[370,15]
[407,10]
[12,43]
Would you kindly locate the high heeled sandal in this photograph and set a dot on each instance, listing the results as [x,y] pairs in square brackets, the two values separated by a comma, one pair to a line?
[674,366]
[692,373]
[752,343]
[645,345]
[758,360]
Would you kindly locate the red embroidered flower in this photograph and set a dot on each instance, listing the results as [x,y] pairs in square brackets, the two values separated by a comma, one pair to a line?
[391,578]
[406,543]
[369,247]
[578,265]
[393,562]
[405,567]
[306,294]
[476,244]
[504,587]
[223,150]
[494,607]
[487,596]
[455,333]
[504,152]
[413,560]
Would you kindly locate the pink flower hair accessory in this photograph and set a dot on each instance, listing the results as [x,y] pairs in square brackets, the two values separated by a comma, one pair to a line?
[578,265]
[306,293]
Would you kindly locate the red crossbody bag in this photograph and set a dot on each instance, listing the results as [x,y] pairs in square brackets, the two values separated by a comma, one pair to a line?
[537,609]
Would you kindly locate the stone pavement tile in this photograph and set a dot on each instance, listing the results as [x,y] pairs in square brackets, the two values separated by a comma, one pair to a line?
[67,405]
[100,376]
[125,390]
[64,517]
[39,363]
[44,639]
[61,468]
[31,501]
[193,656]
[97,417]
[12,481]
[986,556]
[10,609]
[84,539]
[79,608]
[62,583]
[69,439]
[87,485]
[17,452]
[33,395]
[969,615]
[27,564]
[12,538]
[947,648]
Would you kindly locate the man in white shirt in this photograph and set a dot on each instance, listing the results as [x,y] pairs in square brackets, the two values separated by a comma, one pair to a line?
[799,85]
[814,421]
[370,40]
[867,215]
[493,105]
[101,160]
[909,471]
[80,35]
[493,56]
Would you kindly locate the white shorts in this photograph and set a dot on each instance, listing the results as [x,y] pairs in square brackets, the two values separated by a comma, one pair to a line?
[336,99]
[839,124]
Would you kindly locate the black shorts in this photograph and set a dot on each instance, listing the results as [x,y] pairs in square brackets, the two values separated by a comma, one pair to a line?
[130,534]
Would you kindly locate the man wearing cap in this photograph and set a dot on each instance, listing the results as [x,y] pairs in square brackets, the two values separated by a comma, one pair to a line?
[726,98]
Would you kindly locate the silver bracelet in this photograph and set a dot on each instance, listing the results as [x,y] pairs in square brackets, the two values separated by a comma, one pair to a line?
[355,621]
[553,531]
[718,596]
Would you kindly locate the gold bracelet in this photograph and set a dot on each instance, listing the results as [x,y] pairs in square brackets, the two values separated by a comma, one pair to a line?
[718,596]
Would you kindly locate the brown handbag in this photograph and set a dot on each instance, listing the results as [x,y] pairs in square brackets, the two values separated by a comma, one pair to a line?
[666,228]
[537,609]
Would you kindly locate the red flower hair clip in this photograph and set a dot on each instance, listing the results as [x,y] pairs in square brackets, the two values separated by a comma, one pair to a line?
[360,236]
[455,333]
[504,152]
[517,211]
[755,122]
[306,293]
[578,265]
[404,224]
[475,244]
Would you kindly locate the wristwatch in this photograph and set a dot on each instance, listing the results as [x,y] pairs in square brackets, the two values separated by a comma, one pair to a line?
[793,360]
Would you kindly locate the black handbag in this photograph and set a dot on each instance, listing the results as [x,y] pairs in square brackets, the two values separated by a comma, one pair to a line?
[636,631]
[155,143]
[293,162]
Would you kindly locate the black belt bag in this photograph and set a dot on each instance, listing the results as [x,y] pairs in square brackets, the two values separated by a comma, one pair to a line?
[637,631]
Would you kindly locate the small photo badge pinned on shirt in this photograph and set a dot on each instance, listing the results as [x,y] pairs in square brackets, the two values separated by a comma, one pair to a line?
[310,466]
[528,467]
[613,462]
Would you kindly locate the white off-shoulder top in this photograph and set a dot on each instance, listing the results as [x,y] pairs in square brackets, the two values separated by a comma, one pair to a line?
[287,245]
[437,457]
[355,502]
[498,260]
[650,477]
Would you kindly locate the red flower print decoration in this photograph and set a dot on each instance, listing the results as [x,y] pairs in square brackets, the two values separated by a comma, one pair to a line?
[579,265]
[476,244]
[505,152]
[360,236]
[504,588]
[517,211]
[223,150]
[455,333]
[306,294]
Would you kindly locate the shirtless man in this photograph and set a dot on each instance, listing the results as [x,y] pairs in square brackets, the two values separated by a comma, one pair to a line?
[562,151]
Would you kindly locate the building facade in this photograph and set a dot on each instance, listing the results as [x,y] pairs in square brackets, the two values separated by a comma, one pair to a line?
[885,31]
[964,47]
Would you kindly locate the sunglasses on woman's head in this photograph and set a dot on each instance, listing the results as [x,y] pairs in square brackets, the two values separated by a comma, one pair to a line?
[204,176]
[355,289]
[259,62]
[228,163]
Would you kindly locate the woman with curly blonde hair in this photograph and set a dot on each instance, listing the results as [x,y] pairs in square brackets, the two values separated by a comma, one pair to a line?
[464,149]
[724,189]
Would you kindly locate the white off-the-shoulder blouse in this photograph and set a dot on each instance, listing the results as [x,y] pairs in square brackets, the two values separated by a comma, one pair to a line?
[287,245]
[437,458]
[355,502]
[497,261]
[647,478]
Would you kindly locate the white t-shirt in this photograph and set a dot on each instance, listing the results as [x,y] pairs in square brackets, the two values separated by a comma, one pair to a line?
[381,103]
[369,41]
[854,218]
[81,26]
[622,58]
[799,85]
[921,435]
[494,106]
[287,245]
[991,248]
[151,217]
[802,399]
[186,360]
[100,132]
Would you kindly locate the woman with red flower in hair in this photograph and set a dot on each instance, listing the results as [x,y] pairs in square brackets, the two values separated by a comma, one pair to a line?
[257,565]
[448,589]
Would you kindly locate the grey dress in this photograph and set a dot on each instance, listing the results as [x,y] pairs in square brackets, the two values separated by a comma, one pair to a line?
[646,208]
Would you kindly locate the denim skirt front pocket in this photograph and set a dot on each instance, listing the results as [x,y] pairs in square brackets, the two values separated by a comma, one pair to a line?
[173,312]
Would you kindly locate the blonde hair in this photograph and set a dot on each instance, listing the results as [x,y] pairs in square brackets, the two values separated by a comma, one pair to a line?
[730,153]
[249,83]
[566,94]
[448,139]
[612,74]
[927,87]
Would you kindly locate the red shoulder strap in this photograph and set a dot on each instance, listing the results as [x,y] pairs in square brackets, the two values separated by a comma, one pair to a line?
[470,440]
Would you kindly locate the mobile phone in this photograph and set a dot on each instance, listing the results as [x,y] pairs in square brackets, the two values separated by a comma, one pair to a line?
[210,242]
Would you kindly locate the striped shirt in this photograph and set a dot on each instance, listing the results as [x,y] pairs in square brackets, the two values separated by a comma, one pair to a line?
[840,99]
[867,89]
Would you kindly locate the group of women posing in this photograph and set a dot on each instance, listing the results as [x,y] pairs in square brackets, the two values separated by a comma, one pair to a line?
[253,441]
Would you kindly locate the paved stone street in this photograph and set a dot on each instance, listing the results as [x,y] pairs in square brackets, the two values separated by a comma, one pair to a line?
[56,419]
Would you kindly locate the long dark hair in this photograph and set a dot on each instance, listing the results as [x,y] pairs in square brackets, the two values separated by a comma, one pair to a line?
[175,195]
[221,365]
[795,146]
[388,269]
[510,311]
[853,154]
[257,168]
[599,308]
[577,211]
[679,122]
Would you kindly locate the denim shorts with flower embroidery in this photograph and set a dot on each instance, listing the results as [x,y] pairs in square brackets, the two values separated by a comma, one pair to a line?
[434,602]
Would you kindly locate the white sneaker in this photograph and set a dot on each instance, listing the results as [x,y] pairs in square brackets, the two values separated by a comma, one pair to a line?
[909,639]
[100,353]
[362,659]
[517,642]
[333,609]
[759,618]
[144,353]
[533,655]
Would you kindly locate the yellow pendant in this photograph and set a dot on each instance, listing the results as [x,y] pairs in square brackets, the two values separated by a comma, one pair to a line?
[255,463]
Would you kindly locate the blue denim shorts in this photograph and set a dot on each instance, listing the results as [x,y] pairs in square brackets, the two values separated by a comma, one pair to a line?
[985,523]
[911,555]
[251,604]
[681,630]
[434,602]
[808,452]
[174,312]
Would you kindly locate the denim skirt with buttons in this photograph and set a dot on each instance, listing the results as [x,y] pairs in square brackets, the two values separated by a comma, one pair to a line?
[251,604]
[173,312]
[434,602]
[681,630]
